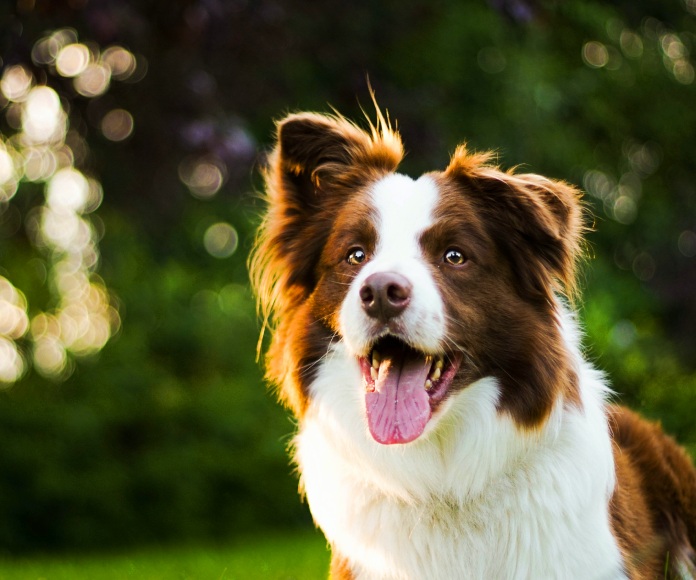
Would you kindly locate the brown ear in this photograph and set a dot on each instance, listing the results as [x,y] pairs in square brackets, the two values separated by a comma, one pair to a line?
[317,161]
[536,222]
[326,149]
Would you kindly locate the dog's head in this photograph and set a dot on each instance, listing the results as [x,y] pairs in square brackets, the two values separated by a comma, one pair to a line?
[431,284]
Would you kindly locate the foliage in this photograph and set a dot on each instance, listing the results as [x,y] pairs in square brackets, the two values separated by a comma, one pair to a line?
[167,434]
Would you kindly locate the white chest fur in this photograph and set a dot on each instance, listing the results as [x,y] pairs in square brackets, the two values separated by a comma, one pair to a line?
[472,498]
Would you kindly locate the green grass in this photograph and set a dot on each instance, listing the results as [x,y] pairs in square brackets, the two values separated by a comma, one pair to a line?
[297,556]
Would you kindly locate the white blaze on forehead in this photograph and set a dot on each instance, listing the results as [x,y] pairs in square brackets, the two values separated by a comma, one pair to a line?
[403,211]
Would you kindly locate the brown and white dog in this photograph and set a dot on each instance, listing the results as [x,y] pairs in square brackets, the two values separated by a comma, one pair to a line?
[449,426]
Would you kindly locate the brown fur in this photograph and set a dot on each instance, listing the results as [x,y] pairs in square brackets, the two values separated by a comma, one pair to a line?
[509,332]
[340,569]
[542,219]
[318,162]
[653,508]
[522,236]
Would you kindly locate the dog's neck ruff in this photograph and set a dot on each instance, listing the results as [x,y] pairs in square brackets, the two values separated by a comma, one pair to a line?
[475,497]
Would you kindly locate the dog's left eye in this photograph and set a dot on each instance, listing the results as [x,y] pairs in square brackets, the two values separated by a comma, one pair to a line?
[355,256]
[455,257]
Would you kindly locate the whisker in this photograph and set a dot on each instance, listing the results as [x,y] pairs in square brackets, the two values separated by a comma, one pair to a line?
[464,351]
[455,322]
[323,357]
[321,319]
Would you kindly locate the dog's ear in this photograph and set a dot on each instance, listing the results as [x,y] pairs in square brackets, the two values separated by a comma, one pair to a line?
[536,222]
[316,154]
[318,160]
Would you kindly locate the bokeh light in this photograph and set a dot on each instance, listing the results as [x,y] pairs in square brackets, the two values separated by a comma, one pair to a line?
[83,315]
[676,58]
[221,240]
[203,176]
[44,51]
[49,356]
[15,83]
[72,60]
[43,119]
[621,195]
[13,306]
[13,325]
[93,81]
[595,54]
[117,125]
[11,362]
[39,163]
[8,172]
[625,209]
[120,61]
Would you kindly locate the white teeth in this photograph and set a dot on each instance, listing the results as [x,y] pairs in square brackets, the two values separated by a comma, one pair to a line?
[375,360]
[428,384]
[435,374]
[373,373]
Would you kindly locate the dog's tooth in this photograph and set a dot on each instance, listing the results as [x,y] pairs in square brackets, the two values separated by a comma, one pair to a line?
[375,360]
[373,373]
[435,374]
[439,363]
[428,384]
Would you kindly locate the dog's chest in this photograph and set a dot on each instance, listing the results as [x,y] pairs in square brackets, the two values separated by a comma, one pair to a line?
[521,527]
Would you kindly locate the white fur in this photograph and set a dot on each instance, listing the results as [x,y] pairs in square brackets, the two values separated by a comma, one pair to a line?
[473,498]
[404,210]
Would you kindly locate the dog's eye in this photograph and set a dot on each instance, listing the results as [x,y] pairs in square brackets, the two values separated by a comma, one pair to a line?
[355,256]
[455,257]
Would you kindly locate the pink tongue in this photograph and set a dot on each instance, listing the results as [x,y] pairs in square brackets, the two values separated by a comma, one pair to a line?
[399,408]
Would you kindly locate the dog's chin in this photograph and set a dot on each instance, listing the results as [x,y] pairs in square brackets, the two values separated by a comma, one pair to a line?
[404,387]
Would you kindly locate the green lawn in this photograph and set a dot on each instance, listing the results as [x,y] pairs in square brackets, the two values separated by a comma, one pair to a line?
[302,556]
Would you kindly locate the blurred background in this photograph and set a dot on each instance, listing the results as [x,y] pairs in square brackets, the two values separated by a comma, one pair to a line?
[132,411]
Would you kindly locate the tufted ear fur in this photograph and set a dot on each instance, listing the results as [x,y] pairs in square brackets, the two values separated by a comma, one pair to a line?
[329,150]
[536,222]
[317,161]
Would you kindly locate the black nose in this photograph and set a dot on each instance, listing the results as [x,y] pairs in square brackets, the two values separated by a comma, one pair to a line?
[385,295]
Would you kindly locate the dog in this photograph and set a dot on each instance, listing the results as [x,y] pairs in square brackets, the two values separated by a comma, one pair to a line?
[449,426]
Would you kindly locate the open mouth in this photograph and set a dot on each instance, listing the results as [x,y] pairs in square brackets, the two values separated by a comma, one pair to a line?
[403,387]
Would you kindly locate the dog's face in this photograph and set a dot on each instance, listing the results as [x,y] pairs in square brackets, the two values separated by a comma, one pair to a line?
[431,284]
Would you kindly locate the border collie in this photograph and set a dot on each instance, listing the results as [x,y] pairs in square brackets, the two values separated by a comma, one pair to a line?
[449,426]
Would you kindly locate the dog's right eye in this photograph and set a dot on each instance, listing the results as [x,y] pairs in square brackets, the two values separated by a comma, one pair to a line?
[355,256]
